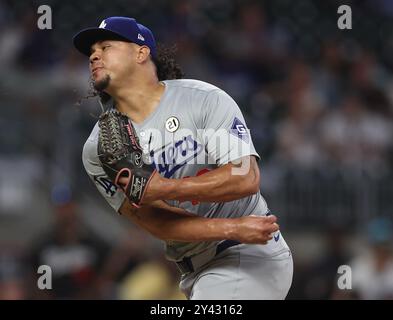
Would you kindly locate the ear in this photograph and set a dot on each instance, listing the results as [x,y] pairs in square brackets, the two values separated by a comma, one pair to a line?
[142,54]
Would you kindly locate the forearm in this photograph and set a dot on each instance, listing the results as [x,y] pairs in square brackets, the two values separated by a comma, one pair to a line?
[167,223]
[218,185]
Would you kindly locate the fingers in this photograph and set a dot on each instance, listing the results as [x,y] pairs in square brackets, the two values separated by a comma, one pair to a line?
[272,228]
[123,181]
[271,219]
[268,237]
[265,226]
[269,224]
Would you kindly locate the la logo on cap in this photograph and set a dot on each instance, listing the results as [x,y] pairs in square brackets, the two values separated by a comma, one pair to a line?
[102,25]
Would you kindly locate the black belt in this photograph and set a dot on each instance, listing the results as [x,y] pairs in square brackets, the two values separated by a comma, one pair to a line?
[186,266]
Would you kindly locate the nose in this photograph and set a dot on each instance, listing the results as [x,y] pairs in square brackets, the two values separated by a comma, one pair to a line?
[94,57]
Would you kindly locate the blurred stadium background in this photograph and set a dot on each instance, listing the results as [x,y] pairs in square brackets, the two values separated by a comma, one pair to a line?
[318,101]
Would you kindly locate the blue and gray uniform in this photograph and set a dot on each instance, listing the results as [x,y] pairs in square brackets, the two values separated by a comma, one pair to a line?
[198,127]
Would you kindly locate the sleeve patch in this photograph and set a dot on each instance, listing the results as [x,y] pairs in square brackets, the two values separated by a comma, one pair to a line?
[239,130]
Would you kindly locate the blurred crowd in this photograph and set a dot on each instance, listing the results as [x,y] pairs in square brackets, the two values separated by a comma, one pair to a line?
[318,102]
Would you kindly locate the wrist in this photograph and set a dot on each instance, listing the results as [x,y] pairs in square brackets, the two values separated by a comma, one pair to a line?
[168,189]
[231,229]
[217,229]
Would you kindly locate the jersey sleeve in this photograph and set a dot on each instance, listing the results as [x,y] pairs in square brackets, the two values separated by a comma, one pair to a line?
[112,194]
[225,135]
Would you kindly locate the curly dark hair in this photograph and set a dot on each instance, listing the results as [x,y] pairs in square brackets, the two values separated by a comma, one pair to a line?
[166,65]
[166,68]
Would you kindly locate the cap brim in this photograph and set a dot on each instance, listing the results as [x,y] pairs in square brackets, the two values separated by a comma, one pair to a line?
[87,37]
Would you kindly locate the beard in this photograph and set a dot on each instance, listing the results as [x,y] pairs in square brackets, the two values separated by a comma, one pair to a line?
[101,85]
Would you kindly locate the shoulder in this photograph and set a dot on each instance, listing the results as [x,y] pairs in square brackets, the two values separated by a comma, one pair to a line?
[191,85]
[201,93]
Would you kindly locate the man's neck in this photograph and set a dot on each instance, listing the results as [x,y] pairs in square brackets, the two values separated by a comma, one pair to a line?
[139,100]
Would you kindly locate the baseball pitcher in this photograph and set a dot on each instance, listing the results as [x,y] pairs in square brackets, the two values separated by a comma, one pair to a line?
[175,156]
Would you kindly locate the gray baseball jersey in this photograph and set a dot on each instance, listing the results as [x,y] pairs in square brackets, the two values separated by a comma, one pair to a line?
[195,128]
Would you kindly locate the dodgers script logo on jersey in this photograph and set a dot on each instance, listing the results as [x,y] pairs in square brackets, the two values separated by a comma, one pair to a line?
[175,155]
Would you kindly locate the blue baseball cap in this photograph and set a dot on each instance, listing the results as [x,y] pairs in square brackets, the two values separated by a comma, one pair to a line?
[115,28]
